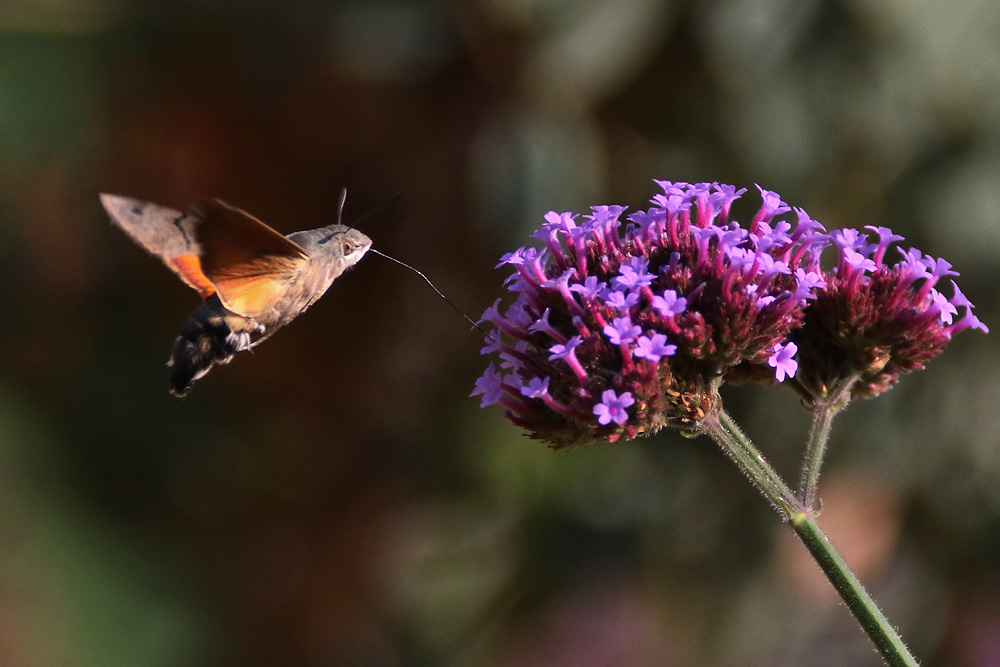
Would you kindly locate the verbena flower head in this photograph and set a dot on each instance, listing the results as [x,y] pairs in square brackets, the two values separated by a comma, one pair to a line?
[631,322]
[873,321]
[622,325]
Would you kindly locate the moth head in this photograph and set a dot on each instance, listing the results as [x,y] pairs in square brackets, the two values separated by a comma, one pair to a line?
[353,246]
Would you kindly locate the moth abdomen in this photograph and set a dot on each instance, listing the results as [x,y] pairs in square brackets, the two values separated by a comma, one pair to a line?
[207,339]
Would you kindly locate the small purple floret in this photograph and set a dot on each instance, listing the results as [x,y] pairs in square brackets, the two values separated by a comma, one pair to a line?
[590,288]
[620,300]
[536,388]
[669,304]
[633,275]
[621,331]
[783,361]
[654,348]
[490,386]
[612,408]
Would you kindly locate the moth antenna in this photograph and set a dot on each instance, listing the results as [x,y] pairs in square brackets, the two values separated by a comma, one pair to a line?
[367,214]
[428,280]
[340,206]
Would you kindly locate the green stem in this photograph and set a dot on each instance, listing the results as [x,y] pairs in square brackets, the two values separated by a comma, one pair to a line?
[819,435]
[853,593]
[724,431]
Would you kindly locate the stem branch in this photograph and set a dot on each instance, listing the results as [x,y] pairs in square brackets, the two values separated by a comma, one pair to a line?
[824,410]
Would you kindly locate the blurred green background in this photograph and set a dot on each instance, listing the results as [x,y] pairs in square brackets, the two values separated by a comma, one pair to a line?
[335,498]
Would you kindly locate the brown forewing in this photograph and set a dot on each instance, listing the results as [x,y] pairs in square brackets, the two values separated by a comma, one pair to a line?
[249,264]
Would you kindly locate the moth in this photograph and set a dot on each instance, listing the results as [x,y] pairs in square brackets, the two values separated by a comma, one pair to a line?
[253,280]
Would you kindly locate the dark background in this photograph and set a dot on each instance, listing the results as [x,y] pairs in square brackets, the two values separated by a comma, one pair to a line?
[335,498]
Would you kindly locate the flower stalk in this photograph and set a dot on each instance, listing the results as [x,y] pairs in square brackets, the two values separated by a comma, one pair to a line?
[819,435]
[727,435]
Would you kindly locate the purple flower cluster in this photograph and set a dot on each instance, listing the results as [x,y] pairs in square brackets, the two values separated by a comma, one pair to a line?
[874,321]
[620,327]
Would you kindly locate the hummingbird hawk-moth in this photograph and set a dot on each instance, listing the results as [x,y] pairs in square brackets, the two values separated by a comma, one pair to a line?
[253,280]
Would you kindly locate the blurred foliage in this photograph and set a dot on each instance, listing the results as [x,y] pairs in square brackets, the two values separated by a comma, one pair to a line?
[334,498]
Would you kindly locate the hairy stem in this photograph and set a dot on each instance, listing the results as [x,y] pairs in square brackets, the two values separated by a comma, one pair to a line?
[853,593]
[819,434]
[724,431]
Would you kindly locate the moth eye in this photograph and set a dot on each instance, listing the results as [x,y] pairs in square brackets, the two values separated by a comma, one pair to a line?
[348,247]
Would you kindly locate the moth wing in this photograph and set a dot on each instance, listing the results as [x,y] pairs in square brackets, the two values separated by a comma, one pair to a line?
[165,232]
[249,264]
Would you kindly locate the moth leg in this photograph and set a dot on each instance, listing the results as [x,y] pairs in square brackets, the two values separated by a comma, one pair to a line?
[239,340]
